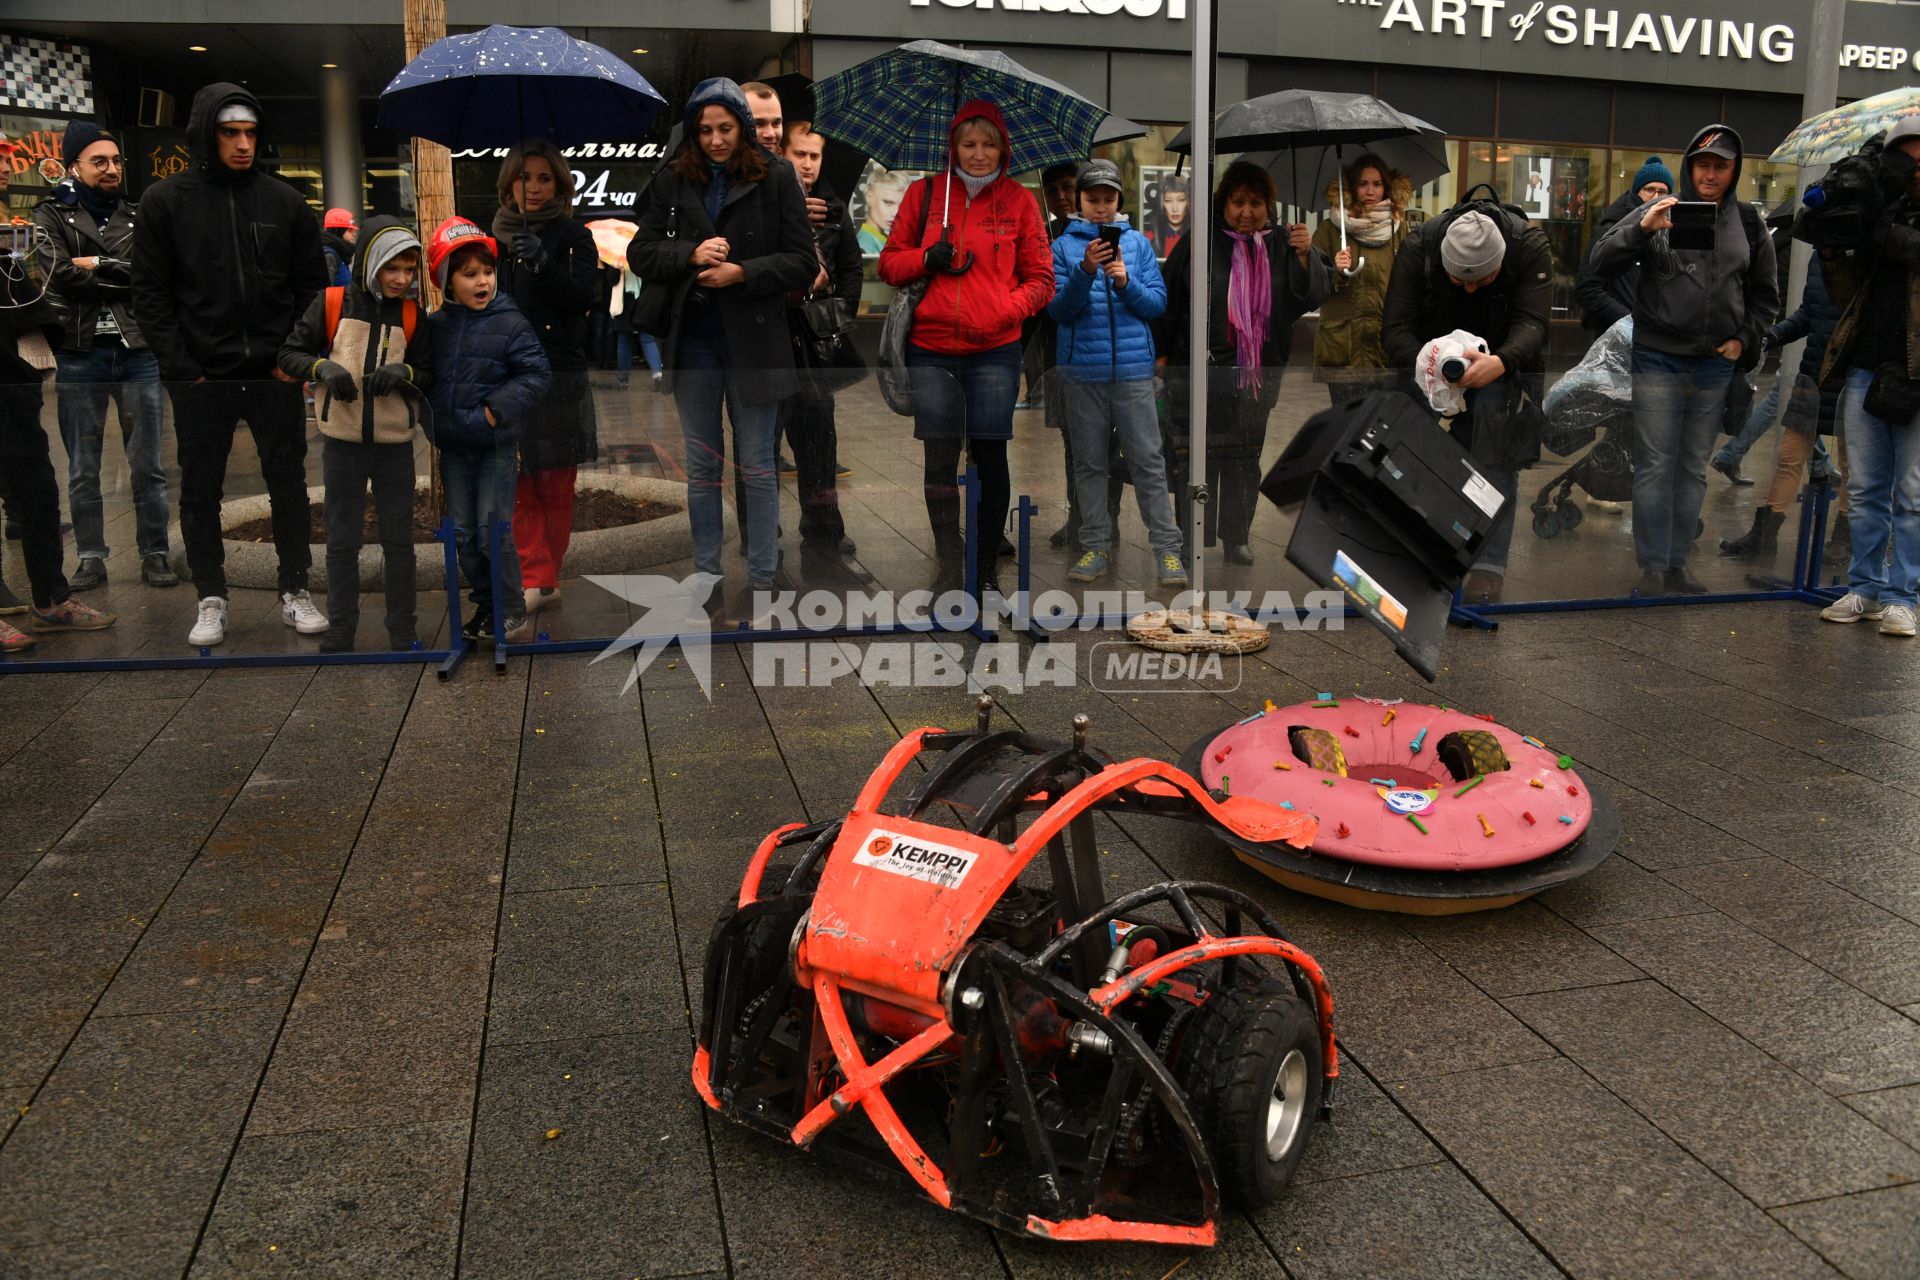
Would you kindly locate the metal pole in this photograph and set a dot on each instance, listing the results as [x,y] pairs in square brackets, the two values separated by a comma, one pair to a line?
[1200,259]
[1822,91]
[340,167]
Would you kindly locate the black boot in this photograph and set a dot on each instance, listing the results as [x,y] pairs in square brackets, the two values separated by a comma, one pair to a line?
[949,562]
[1761,540]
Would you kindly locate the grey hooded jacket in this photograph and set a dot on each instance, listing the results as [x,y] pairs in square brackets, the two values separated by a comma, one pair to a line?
[1689,301]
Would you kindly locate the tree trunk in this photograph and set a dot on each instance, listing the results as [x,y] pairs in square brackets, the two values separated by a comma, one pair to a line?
[426,22]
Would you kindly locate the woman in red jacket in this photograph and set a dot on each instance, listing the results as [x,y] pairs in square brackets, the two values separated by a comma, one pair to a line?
[977,233]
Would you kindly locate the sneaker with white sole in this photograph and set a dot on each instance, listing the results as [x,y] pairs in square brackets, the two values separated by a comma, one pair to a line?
[1853,607]
[1897,620]
[14,640]
[1173,571]
[298,611]
[210,628]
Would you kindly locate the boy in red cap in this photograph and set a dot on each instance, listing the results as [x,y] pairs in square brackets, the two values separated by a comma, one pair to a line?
[337,235]
[490,372]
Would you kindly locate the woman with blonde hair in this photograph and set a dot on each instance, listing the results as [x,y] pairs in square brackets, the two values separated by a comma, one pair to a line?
[1347,354]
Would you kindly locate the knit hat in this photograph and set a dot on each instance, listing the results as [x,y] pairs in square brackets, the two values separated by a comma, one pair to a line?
[449,238]
[237,113]
[80,135]
[338,220]
[1473,248]
[385,240]
[1654,170]
[1098,173]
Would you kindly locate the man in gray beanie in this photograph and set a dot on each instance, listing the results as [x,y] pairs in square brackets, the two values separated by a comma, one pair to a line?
[1481,267]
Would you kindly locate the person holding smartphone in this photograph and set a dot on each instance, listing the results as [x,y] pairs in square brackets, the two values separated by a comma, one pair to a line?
[1706,293]
[1107,294]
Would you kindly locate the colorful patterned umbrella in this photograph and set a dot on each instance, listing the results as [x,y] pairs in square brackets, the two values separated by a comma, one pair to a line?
[1844,130]
[898,107]
[495,87]
[611,236]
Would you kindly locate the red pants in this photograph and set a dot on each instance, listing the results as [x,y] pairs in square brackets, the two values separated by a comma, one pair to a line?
[543,524]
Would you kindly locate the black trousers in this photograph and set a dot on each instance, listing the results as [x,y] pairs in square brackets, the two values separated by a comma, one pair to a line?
[1236,434]
[205,416]
[807,422]
[349,466]
[33,496]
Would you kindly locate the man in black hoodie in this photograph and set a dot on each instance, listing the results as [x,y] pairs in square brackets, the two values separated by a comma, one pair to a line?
[1604,301]
[226,258]
[1697,313]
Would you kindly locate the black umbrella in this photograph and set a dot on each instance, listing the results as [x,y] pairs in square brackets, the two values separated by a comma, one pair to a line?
[1296,118]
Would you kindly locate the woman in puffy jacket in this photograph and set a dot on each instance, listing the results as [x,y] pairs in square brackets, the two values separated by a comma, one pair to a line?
[1106,299]
[1347,354]
[975,234]
[1265,278]
[551,270]
[723,239]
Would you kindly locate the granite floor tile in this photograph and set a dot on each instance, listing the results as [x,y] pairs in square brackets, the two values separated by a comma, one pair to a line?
[622,1186]
[1523,948]
[1368,1134]
[1873,1235]
[379,1201]
[1576,1165]
[378,1036]
[1618,890]
[1765,1129]
[1407,1013]
[1418,1222]
[13,1105]
[1839,1038]
[1895,1110]
[158,1256]
[574,963]
[32,1035]
[1873,949]
[573,830]
[130,1134]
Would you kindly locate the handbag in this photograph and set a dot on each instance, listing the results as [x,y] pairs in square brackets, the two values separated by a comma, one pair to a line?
[1892,396]
[829,359]
[895,379]
[653,309]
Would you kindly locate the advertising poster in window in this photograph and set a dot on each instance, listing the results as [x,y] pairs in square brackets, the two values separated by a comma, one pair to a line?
[1163,207]
[875,202]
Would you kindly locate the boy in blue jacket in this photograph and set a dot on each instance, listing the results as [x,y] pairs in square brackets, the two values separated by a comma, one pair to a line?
[1105,301]
[490,372]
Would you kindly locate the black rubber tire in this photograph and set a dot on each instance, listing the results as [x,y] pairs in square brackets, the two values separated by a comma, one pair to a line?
[1468,753]
[1546,524]
[1229,1065]
[1318,748]
[1571,515]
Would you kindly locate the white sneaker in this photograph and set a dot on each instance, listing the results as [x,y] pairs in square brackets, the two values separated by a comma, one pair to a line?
[210,628]
[1897,620]
[297,611]
[1854,607]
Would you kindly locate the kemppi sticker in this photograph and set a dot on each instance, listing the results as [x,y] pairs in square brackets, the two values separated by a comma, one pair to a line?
[936,864]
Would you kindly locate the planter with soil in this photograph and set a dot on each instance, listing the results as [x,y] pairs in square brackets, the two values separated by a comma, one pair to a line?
[621,524]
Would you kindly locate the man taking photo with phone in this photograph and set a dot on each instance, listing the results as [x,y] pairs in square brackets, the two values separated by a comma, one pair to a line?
[1706,292]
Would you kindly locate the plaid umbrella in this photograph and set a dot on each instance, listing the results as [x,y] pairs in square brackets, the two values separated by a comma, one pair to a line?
[1844,130]
[898,107]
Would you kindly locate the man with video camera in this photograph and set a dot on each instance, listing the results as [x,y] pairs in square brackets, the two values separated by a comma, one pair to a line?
[1481,267]
[1865,216]
[1706,292]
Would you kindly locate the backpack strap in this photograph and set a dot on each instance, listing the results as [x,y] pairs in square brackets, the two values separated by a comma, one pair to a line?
[409,318]
[1750,222]
[336,301]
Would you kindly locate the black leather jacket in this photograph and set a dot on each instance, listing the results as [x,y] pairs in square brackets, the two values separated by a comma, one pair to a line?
[77,295]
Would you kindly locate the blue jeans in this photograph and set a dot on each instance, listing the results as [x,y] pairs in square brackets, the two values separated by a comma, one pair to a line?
[971,395]
[623,352]
[1883,497]
[1095,410]
[480,490]
[85,382]
[703,382]
[1677,402]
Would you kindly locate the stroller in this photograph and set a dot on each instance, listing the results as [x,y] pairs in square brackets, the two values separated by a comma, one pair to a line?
[1591,406]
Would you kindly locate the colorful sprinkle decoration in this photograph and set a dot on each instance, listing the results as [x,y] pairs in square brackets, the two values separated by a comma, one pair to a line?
[1419,740]
[1485,825]
[1418,825]
[1283,765]
[1343,833]
[1286,804]
[1388,718]
[1535,782]
[1529,818]
[1534,742]
[1564,818]
[1478,778]
[1566,762]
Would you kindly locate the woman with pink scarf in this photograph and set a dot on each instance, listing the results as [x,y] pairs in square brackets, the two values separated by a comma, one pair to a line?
[1264,278]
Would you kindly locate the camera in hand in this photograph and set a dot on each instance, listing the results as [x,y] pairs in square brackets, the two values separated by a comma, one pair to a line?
[1839,211]
[1454,368]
